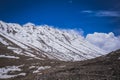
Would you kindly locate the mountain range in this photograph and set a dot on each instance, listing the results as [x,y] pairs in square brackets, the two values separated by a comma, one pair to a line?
[45,42]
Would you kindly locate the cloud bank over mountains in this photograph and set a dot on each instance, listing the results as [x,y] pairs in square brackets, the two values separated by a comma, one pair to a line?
[106,41]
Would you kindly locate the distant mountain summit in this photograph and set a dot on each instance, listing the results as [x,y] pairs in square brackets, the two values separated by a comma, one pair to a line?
[45,42]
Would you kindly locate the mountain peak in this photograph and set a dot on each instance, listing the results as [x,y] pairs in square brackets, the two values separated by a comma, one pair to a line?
[29,24]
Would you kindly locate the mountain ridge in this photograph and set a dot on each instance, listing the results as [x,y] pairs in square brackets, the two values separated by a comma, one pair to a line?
[47,42]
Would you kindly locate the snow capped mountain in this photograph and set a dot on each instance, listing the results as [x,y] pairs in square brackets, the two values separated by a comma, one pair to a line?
[45,42]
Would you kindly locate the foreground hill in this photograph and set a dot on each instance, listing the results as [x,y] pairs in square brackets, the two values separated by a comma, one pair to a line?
[19,67]
[101,68]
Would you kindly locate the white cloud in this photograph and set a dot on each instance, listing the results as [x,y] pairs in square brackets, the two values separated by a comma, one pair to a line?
[108,42]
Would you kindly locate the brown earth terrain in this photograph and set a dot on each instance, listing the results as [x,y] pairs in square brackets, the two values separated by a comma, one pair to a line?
[101,68]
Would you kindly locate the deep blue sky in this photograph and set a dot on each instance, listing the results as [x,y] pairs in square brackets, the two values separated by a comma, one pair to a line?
[89,15]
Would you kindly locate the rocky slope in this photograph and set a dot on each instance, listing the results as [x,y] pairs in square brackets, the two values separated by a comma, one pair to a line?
[102,68]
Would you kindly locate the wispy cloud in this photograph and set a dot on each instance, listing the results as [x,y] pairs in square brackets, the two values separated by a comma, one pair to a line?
[108,13]
[87,11]
[103,13]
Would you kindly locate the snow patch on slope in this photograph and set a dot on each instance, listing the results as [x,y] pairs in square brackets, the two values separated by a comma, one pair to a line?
[5,70]
[4,56]
[41,68]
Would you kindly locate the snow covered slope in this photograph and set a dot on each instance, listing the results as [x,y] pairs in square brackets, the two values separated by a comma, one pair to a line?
[45,42]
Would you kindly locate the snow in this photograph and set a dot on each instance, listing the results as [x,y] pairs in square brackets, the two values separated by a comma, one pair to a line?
[15,50]
[41,68]
[4,72]
[14,40]
[31,67]
[4,56]
[21,74]
[32,55]
[4,42]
